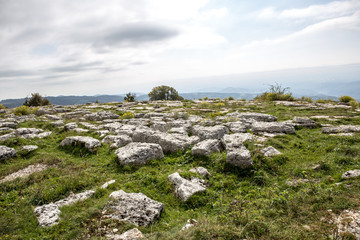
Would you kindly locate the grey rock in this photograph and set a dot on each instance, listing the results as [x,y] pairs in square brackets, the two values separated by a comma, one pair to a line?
[351,174]
[71,126]
[8,124]
[135,208]
[341,129]
[105,185]
[29,148]
[270,151]
[239,157]
[49,214]
[160,126]
[117,140]
[201,171]
[139,153]
[259,117]
[88,142]
[168,142]
[58,123]
[296,182]
[237,127]
[215,132]
[23,173]
[236,140]
[27,131]
[304,122]
[132,234]
[272,127]
[6,136]
[101,116]
[207,147]
[179,130]
[6,152]
[189,224]
[184,188]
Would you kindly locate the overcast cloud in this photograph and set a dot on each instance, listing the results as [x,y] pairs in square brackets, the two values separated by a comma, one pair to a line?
[115,46]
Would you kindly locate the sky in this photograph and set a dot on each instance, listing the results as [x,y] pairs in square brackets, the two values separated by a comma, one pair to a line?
[73,47]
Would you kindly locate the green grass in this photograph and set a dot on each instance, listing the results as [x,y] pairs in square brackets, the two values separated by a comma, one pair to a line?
[252,204]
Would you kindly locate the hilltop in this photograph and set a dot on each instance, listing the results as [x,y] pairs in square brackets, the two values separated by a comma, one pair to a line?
[216,169]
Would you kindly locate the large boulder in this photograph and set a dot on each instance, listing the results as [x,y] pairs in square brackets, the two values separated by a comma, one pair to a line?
[135,208]
[184,188]
[139,153]
[304,122]
[215,132]
[239,157]
[88,142]
[207,147]
[272,127]
[6,152]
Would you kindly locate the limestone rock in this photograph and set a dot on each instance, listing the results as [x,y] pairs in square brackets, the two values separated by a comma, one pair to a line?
[117,140]
[24,172]
[190,223]
[351,174]
[259,117]
[88,142]
[201,171]
[236,140]
[6,152]
[207,147]
[185,188]
[272,127]
[135,208]
[270,151]
[239,157]
[29,148]
[348,221]
[304,122]
[139,153]
[132,234]
[101,116]
[341,129]
[215,132]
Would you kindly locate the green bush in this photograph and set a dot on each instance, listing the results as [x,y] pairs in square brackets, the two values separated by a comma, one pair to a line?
[2,106]
[305,99]
[164,93]
[276,93]
[130,97]
[346,99]
[24,110]
[231,98]
[354,104]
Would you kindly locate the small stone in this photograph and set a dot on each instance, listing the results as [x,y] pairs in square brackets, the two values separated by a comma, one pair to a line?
[6,152]
[351,174]
[201,171]
[207,147]
[88,142]
[270,151]
[184,188]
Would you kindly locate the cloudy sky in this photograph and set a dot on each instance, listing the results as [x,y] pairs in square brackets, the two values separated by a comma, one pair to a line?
[69,47]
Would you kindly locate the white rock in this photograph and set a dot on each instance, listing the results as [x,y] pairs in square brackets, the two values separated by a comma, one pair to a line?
[6,152]
[207,147]
[139,153]
[24,172]
[201,171]
[270,151]
[351,174]
[185,188]
[132,234]
[89,142]
[215,132]
[239,157]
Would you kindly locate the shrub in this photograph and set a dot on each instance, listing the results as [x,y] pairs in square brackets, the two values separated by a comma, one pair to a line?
[36,100]
[164,93]
[306,99]
[206,98]
[354,104]
[346,99]
[276,93]
[231,98]
[24,110]
[2,106]
[130,97]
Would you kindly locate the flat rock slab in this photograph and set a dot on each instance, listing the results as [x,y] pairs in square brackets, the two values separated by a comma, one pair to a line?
[206,147]
[239,157]
[304,122]
[351,174]
[135,208]
[6,152]
[236,140]
[29,148]
[270,151]
[261,117]
[132,234]
[23,173]
[49,214]
[117,140]
[342,129]
[272,127]
[88,142]
[139,153]
[215,132]
[184,188]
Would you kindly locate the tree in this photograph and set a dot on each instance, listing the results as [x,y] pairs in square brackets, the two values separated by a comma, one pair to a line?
[36,100]
[164,93]
[130,97]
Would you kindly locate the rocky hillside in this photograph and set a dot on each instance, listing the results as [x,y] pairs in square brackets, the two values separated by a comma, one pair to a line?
[181,170]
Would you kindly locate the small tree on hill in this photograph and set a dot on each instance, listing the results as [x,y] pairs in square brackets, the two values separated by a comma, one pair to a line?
[36,100]
[130,97]
[164,93]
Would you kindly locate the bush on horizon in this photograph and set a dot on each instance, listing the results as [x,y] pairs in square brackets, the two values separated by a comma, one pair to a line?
[276,93]
[164,93]
[346,99]
[36,100]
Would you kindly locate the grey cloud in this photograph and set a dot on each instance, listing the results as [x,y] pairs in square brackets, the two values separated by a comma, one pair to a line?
[132,35]
[77,67]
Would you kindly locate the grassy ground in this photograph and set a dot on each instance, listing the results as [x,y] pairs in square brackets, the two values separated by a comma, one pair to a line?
[252,204]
